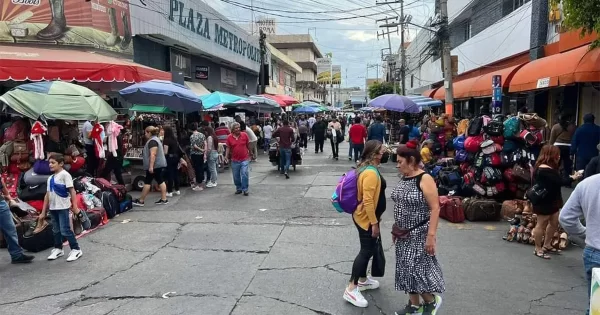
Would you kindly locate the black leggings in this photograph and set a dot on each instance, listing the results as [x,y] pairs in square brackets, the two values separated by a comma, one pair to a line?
[304,140]
[198,162]
[368,244]
[335,147]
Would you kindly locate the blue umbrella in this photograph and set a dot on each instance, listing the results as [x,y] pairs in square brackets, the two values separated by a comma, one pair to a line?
[310,103]
[395,102]
[219,98]
[306,110]
[163,93]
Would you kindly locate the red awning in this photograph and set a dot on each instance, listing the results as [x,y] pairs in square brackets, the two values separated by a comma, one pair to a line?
[430,92]
[282,100]
[41,64]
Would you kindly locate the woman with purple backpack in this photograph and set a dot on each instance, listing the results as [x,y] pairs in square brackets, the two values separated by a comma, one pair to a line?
[371,193]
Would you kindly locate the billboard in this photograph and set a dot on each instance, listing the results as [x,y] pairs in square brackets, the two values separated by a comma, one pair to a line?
[101,24]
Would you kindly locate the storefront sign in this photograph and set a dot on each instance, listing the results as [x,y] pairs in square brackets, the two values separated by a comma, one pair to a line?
[267,26]
[323,70]
[103,24]
[543,83]
[496,94]
[228,77]
[202,72]
[199,26]
[181,63]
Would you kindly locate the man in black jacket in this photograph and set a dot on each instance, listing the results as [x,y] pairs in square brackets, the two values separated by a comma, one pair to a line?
[319,129]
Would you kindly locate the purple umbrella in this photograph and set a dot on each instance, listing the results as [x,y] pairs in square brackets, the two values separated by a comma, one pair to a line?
[395,102]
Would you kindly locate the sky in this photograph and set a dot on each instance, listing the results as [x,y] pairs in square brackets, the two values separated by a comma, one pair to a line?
[346,28]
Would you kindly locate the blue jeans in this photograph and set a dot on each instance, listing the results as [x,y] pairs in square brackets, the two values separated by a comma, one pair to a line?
[591,259]
[267,144]
[7,227]
[213,156]
[62,228]
[285,159]
[358,150]
[240,175]
[350,149]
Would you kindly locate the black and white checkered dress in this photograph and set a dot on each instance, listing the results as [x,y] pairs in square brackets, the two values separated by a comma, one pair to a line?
[416,271]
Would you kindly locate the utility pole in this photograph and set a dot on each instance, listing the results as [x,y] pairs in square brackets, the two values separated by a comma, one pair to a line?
[402,50]
[390,58]
[446,57]
[261,72]
[330,55]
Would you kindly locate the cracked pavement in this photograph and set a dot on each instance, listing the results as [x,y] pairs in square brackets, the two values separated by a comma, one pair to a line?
[282,250]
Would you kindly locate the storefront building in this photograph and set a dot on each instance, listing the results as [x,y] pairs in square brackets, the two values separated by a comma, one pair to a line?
[198,45]
[555,73]
[282,76]
[70,40]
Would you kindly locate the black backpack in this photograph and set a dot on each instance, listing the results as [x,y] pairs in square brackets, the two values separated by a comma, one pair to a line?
[475,126]
[110,203]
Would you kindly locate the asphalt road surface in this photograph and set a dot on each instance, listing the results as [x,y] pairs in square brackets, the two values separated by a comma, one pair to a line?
[282,250]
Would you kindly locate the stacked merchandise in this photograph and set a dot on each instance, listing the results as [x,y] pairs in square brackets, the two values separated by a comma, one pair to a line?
[522,224]
[493,162]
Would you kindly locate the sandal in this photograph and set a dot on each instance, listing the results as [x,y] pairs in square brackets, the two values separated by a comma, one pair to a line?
[526,235]
[564,241]
[541,254]
[555,240]
[510,236]
[551,250]
[520,234]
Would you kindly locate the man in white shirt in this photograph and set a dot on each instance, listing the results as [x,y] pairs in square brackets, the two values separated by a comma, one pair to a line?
[253,142]
[311,122]
[268,132]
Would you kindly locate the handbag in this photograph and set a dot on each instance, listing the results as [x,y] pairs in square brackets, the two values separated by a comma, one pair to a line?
[378,265]
[536,194]
[402,233]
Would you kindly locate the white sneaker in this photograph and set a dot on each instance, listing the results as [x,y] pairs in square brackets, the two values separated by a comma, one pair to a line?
[370,284]
[55,253]
[210,185]
[177,192]
[169,194]
[355,297]
[74,254]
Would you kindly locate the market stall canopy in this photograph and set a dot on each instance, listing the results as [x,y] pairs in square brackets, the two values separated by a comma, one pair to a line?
[58,100]
[430,92]
[577,65]
[424,101]
[197,88]
[163,93]
[151,109]
[282,100]
[220,98]
[43,64]
[264,100]
[396,103]
[307,110]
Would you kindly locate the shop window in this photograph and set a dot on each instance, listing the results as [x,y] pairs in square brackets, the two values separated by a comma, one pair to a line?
[467,30]
[509,6]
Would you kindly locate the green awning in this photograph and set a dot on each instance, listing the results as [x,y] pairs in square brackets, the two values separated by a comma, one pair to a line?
[151,109]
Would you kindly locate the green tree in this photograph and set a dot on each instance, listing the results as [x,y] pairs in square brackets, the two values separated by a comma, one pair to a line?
[582,14]
[381,88]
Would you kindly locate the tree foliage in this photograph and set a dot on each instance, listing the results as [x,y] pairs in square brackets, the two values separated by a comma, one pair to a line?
[582,14]
[381,88]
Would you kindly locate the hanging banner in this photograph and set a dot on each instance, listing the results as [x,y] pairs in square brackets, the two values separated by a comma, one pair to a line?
[323,70]
[202,72]
[337,74]
[496,94]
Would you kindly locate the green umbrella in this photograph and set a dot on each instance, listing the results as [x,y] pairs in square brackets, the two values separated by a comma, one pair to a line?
[58,100]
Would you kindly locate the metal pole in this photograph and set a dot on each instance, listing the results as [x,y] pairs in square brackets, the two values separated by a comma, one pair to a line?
[447,58]
[402,50]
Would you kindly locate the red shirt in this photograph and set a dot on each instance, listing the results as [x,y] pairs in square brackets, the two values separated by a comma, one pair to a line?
[358,133]
[222,133]
[238,147]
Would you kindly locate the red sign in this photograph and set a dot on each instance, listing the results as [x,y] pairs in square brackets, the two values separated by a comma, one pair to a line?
[103,24]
